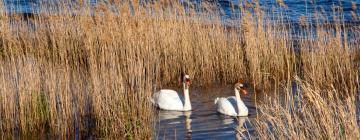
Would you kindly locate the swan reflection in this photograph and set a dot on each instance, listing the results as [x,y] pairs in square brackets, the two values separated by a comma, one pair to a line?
[179,117]
[188,124]
[241,129]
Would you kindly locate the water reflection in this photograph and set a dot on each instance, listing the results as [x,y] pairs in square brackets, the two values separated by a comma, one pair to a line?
[204,122]
[177,118]
[188,123]
[241,129]
[171,115]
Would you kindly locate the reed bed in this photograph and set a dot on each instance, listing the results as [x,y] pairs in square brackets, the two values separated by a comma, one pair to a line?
[315,113]
[89,72]
[320,100]
[80,74]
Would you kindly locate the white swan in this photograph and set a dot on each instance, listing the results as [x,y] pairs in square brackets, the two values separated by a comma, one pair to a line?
[233,105]
[167,99]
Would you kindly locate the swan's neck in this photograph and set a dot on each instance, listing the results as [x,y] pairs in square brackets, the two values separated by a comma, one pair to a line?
[238,99]
[187,104]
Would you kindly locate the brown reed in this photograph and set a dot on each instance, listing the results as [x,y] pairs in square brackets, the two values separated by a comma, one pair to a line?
[90,71]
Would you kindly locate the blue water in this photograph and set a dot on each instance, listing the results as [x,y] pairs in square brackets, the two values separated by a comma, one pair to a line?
[204,122]
[33,6]
[293,10]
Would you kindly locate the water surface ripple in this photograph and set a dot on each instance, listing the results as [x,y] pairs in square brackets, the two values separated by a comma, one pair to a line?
[204,122]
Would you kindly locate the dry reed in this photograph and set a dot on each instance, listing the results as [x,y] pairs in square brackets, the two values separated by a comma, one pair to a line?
[89,71]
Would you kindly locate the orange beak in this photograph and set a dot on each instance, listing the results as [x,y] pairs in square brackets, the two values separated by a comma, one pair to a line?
[244,91]
[187,82]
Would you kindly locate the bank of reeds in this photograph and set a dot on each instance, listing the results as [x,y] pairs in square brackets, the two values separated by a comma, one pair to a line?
[90,71]
[322,101]
[311,113]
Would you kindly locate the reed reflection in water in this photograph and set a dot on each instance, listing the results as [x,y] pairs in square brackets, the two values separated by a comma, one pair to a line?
[204,122]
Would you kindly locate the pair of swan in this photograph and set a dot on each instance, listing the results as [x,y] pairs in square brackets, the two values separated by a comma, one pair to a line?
[167,99]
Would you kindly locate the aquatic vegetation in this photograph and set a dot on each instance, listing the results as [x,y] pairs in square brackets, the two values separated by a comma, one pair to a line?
[314,113]
[90,71]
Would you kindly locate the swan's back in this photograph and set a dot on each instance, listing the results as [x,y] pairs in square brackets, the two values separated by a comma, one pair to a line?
[167,99]
[224,106]
[242,110]
[228,106]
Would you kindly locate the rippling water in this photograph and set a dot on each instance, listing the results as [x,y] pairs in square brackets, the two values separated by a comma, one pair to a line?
[294,9]
[204,122]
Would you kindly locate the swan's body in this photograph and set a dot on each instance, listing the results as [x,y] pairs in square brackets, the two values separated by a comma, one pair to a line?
[228,106]
[167,99]
[232,106]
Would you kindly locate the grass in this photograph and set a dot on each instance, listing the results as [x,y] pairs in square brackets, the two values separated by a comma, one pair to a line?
[79,74]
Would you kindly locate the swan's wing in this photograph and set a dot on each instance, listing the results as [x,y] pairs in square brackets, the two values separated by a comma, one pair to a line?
[168,100]
[232,100]
[243,111]
[224,106]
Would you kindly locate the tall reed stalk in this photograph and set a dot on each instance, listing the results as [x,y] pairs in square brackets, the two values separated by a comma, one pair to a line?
[83,71]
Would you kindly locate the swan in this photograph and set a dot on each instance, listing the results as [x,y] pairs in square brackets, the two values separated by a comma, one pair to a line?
[167,99]
[233,105]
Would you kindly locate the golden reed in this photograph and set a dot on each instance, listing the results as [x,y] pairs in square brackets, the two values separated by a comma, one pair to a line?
[90,71]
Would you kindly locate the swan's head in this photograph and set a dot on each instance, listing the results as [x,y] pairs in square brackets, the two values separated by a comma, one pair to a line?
[186,81]
[239,86]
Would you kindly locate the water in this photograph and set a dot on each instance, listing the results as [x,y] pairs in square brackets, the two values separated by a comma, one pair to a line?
[204,122]
[293,10]
[292,13]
